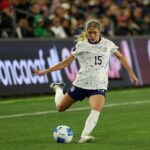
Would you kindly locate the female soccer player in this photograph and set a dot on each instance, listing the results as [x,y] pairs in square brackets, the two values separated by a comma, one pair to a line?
[91,81]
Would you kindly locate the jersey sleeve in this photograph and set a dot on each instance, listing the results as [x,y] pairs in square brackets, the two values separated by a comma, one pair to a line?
[113,47]
[76,50]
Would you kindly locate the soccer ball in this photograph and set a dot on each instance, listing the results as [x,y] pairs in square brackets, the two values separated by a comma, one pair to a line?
[63,134]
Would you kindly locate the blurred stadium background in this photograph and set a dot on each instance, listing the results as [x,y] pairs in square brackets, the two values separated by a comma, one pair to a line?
[40,33]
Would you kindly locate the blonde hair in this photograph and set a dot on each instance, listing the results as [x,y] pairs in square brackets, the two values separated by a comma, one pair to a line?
[88,24]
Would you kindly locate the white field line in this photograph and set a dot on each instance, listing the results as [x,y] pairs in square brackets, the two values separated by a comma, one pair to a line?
[72,109]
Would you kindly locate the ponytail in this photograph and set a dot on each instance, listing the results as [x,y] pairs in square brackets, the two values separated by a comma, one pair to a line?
[81,37]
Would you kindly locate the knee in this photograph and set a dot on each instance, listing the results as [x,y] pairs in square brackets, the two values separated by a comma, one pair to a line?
[60,108]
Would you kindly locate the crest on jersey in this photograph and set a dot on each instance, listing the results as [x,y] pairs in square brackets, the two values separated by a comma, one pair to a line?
[104,49]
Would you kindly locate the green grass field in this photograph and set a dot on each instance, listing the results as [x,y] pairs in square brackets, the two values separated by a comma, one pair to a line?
[28,123]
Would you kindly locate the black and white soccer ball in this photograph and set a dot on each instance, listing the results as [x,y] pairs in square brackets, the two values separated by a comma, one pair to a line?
[63,134]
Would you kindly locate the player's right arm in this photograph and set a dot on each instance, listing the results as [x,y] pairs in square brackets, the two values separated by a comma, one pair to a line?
[127,66]
[58,66]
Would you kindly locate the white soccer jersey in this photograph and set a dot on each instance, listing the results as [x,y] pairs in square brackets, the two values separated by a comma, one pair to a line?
[94,63]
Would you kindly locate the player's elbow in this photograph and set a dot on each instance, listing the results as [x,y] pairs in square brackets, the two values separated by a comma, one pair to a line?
[64,64]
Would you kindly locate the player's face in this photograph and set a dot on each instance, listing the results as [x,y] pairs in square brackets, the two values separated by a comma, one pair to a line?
[93,35]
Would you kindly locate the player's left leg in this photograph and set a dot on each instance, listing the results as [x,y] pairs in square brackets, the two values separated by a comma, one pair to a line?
[96,104]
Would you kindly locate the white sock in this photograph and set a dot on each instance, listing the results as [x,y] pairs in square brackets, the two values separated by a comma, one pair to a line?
[90,122]
[58,95]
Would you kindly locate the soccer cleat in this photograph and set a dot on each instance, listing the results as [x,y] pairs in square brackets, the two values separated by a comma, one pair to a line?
[86,139]
[55,85]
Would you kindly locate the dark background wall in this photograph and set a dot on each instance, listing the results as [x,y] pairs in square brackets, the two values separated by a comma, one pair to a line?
[19,58]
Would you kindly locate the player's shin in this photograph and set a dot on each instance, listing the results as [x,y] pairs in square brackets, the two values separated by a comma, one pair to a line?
[90,122]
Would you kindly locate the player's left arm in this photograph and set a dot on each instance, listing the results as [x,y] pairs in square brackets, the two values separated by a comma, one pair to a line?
[127,66]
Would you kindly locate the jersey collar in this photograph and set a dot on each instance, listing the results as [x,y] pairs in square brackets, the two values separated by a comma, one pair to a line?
[95,42]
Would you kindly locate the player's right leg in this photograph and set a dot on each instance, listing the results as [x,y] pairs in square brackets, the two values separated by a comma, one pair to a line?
[96,101]
[65,103]
[86,139]
[62,101]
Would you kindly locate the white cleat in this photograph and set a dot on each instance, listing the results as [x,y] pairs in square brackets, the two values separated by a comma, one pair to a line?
[86,139]
[55,85]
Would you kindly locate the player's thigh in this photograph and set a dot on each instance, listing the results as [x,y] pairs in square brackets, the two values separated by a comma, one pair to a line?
[97,102]
[65,103]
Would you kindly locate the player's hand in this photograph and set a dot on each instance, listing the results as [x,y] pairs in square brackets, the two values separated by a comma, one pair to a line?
[135,80]
[39,72]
